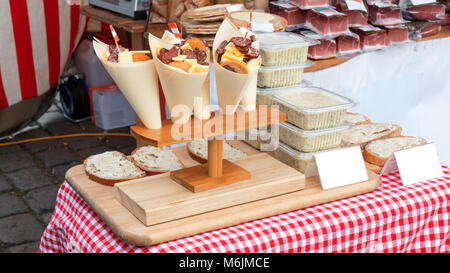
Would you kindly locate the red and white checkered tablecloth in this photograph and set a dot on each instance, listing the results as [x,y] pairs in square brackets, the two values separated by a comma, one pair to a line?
[393,218]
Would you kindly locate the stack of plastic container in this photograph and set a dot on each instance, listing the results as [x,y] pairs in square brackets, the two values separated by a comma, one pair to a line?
[315,123]
[284,57]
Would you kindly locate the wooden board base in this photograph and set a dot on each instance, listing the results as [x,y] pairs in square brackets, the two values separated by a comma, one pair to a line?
[196,178]
[159,199]
[132,230]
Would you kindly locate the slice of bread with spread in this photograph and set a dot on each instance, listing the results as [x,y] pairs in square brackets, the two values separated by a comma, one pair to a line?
[111,167]
[378,152]
[155,160]
[356,119]
[198,150]
[365,133]
[374,168]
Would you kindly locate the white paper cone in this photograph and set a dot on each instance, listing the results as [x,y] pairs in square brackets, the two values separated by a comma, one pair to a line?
[139,83]
[248,101]
[231,86]
[179,87]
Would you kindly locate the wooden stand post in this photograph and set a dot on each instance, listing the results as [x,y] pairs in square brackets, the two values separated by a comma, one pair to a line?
[215,153]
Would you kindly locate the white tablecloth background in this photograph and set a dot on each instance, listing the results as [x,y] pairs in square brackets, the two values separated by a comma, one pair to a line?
[408,85]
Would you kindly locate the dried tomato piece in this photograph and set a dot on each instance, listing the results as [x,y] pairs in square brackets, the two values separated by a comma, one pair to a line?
[241,43]
[201,56]
[166,55]
[254,53]
[189,53]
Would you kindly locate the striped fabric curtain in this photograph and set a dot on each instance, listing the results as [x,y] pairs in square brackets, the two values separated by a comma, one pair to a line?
[37,39]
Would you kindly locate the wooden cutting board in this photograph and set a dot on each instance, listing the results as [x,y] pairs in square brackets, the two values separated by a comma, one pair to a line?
[130,229]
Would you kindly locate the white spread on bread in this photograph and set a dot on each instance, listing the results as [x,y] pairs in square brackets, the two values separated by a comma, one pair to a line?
[112,165]
[365,132]
[200,148]
[355,118]
[149,157]
[385,147]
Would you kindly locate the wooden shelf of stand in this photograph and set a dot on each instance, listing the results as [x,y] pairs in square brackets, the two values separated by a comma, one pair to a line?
[216,172]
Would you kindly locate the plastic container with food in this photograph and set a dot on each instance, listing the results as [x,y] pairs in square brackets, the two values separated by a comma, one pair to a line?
[262,139]
[278,76]
[311,140]
[293,158]
[283,48]
[312,108]
[264,95]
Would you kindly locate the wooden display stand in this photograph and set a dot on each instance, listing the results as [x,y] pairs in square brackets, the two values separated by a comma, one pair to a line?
[127,220]
[217,172]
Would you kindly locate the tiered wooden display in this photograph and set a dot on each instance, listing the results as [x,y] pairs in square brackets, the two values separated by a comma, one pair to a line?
[217,172]
[204,197]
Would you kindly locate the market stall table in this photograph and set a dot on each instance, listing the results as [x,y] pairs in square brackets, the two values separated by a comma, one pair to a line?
[393,218]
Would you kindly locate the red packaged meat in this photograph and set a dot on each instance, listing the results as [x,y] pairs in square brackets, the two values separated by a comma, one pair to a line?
[384,13]
[325,49]
[355,10]
[397,34]
[430,11]
[446,20]
[293,14]
[419,30]
[309,4]
[327,21]
[372,38]
[348,44]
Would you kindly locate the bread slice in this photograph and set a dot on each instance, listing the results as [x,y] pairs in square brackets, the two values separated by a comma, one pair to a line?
[365,133]
[374,168]
[356,119]
[111,167]
[155,160]
[198,150]
[378,152]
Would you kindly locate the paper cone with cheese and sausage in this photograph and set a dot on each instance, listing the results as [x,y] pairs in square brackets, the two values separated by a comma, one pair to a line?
[184,74]
[236,63]
[135,75]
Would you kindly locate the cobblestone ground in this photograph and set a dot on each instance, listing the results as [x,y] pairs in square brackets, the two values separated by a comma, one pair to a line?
[31,174]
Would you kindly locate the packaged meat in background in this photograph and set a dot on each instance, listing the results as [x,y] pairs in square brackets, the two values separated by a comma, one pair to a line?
[327,21]
[384,13]
[420,29]
[397,34]
[355,10]
[309,4]
[430,11]
[372,38]
[295,16]
[325,49]
[446,3]
[446,20]
[348,44]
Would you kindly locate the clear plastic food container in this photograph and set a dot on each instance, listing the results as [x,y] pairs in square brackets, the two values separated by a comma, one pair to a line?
[264,95]
[311,140]
[278,76]
[312,108]
[283,48]
[261,139]
[293,158]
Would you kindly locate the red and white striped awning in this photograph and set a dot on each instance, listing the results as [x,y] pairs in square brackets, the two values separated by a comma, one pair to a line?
[37,40]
